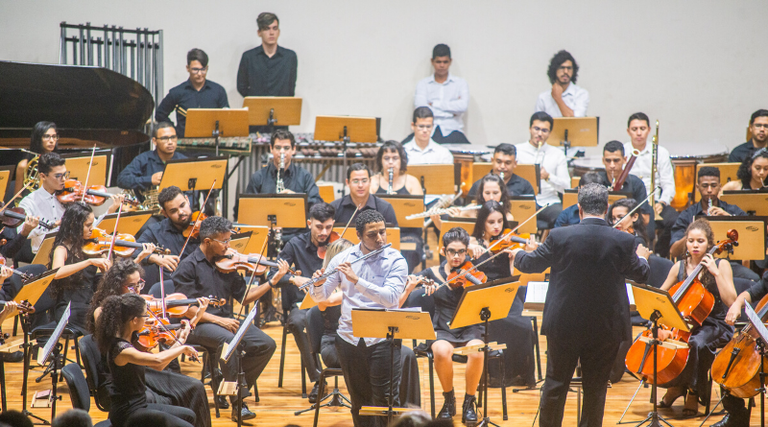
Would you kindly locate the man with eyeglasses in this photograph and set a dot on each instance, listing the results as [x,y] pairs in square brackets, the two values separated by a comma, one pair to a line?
[565,99]
[553,168]
[503,164]
[423,150]
[42,203]
[196,92]
[758,127]
[197,277]
[359,184]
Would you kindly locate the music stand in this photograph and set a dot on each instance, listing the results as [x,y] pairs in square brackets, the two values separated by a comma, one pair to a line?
[216,123]
[194,174]
[728,173]
[405,205]
[753,202]
[308,302]
[528,172]
[345,129]
[521,208]
[258,235]
[130,222]
[658,306]
[435,179]
[393,235]
[77,165]
[5,180]
[42,257]
[762,343]
[236,347]
[582,131]
[273,110]
[273,210]
[52,352]
[406,324]
[751,231]
[239,242]
[571,197]
[481,304]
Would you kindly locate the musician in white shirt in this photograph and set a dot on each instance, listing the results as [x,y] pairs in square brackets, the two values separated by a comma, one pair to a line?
[423,150]
[553,166]
[446,94]
[42,203]
[565,99]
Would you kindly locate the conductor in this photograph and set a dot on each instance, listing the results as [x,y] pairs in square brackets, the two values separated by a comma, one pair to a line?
[586,315]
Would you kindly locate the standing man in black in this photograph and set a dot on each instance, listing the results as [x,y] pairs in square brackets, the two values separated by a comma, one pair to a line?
[197,276]
[586,315]
[269,69]
[196,92]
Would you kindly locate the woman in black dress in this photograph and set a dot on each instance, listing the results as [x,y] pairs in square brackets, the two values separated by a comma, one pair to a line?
[515,330]
[446,299]
[122,317]
[165,386]
[717,278]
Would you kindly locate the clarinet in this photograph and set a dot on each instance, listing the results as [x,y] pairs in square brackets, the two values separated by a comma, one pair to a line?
[280,185]
[391,178]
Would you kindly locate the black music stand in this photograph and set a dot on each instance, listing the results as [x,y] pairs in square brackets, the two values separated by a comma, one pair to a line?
[582,131]
[379,323]
[273,110]
[237,348]
[481,304]
[345,129]
[762,343]
[52,353]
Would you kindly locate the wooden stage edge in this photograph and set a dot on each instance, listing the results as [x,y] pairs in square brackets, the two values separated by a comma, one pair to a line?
[277,405]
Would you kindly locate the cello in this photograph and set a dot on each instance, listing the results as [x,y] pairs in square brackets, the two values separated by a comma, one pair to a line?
[737,366]
[695,303]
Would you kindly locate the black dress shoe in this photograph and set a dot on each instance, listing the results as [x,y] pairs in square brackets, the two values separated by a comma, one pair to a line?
[314,392]
[733,421]
[247,414]
[223,402]
[469,411]
[449,407]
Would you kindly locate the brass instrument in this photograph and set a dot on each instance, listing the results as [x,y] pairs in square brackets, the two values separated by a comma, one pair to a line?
[391,178]
[444,202]
[619,182]
[280,185]
[31,176]
[150,202]
[654,163]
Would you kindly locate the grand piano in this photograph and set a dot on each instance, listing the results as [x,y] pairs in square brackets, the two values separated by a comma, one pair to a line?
[90,105]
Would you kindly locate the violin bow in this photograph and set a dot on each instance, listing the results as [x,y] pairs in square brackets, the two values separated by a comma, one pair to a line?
[630,213]
[250,281]
[162,326]
[162,293]
[198,220]
[114,233]
[496,242]
[88,175]
[350,220]
[5,206]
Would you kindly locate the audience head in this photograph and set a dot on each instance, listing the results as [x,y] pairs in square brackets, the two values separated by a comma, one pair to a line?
[15,418]
[592,177]
[754,166]
[423,124]
[45,138]
[73,418]
[593,200]
[563,68]
[269,28]
[758,125]
[391,155]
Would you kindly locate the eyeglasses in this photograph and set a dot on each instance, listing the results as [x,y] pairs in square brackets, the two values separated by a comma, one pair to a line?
[137,287]
[360,181]
[54,137]
[760,125]
[167,138]
[223,242]
[460,252]
[425,127]
[61,176]
[199,70]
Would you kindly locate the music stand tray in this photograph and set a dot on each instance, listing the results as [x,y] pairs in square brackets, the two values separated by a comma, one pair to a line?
[571,197]
[496,296]
[5,179]
[405,205]
[259,234]
[574,132]
[436,179]
[751,231]
[43,254]
[339,128]
[77,165]
[521,208]
[204,122]
[239,242]
[753,202]
[194,174]
[130,222]
[32,291]
[273,110]
[276,210]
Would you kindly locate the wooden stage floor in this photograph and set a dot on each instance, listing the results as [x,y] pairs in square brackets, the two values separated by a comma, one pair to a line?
[277,405]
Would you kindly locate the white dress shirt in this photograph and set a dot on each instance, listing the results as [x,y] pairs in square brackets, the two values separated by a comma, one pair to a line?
[381,281]
[42,204]
[553,160]
[665,175]
[575,97]
[434,154]
[449,100]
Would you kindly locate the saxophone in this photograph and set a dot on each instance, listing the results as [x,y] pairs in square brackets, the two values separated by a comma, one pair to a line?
[280,185]
[391,178]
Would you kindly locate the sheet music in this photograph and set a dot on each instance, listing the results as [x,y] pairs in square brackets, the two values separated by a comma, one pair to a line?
[757,323]
[43,355]
[537,292]
[248,322]
[630,294]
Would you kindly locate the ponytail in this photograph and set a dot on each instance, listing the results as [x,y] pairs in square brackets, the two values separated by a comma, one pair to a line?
[116,311]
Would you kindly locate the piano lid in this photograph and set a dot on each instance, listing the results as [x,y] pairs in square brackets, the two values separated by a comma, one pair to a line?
[71,96]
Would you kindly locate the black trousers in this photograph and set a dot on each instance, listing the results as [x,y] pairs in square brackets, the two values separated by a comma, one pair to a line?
[546,218]
[597,355]
[366,372]
[157,414]
[296,324]
[259,348]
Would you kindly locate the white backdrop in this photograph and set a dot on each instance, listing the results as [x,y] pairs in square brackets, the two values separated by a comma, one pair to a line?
[697,66]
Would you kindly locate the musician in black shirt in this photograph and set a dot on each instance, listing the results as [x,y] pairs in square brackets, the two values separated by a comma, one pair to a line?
[614,162]
[196,92]
[359,183]
[758,126]
[267,70]
[197,276]
[504,164]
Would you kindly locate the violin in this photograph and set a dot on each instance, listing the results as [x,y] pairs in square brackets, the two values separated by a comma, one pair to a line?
[13,217]
[193,229]
[695,303]
[24,306]
[99,243]
[737,366]
[253,263]
[95,195]
[509,240]
[176,304]
[152,335]
[321,250]
[458,278]
[24,276]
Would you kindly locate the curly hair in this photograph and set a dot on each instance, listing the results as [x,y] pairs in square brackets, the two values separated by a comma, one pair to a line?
[503,187]
[638,225]
[116,310]
[745,169]
[392,146]
[112,284]
[557,61]
[70,236]
[365,217]
[488,208]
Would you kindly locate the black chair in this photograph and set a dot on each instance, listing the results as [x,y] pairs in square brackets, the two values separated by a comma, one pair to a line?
[91,356]
[282,360]
[69,333]
[659,270]
[315,328]
[78,390]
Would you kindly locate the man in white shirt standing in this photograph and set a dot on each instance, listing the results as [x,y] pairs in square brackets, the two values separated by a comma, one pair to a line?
[638,128]
[423,150]
[446,94]
[565,99]
[553,166]
[42,203]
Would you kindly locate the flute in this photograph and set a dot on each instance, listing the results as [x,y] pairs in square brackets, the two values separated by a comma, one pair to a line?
[328,274]
[442,211]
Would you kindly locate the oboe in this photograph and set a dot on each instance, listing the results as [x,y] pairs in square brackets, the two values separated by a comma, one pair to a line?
[391,178]
[280,184]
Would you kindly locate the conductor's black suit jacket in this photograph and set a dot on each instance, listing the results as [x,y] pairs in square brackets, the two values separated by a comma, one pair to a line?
[587,295]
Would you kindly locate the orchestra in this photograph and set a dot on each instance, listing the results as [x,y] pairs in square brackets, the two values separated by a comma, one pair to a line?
[176,284]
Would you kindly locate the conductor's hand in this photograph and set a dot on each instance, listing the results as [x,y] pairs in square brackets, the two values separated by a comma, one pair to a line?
[346,269]
[734,312]
[513,253]
[156,177]
[229,324]
[642,251]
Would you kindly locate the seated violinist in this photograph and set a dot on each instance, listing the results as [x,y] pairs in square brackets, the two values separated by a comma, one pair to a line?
[635,225]
[42,203]
[197,276]
[717,278]
[446,299]
[490,188]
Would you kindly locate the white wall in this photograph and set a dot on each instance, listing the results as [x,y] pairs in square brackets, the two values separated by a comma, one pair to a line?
[697,66]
